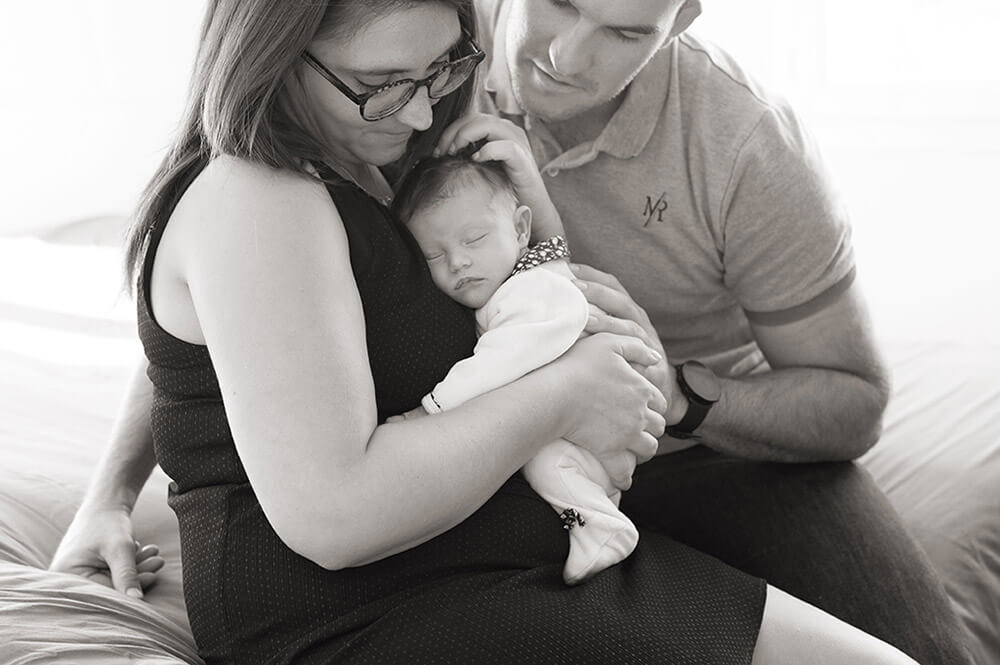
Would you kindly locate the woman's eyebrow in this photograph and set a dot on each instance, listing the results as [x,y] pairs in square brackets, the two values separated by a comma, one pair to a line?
[386,71]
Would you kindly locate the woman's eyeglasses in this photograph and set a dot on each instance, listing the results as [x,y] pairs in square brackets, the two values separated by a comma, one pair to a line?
[391,97]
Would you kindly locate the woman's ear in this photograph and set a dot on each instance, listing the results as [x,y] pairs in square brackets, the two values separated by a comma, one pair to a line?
[522,224]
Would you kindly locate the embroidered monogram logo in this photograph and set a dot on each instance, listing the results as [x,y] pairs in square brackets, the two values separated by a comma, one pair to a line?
[656,208]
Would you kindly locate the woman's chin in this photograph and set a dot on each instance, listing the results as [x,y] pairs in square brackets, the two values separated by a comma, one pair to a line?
[386,153]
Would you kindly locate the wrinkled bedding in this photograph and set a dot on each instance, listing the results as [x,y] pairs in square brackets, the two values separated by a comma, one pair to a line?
[66,346]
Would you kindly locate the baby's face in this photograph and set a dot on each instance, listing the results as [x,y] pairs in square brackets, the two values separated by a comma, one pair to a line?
[472,241]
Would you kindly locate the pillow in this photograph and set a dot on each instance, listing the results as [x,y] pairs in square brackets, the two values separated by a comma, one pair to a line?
[52,617]
[57,618]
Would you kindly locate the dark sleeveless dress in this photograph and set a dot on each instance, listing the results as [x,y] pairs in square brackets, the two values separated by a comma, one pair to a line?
[487,591]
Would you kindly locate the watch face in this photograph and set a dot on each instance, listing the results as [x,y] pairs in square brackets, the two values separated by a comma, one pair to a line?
[702,381]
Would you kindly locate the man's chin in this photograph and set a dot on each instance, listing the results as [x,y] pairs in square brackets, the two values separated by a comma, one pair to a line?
[551,108]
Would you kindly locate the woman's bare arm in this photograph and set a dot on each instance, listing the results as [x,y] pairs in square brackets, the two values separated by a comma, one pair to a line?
[265,259]
[99,541]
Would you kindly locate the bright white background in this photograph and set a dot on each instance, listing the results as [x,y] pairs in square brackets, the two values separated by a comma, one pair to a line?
[903,96]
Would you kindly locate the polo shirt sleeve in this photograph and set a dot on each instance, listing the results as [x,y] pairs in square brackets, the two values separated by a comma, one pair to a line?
[786,237]
[532,319]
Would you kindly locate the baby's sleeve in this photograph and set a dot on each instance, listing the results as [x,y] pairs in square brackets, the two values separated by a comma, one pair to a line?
[532,319]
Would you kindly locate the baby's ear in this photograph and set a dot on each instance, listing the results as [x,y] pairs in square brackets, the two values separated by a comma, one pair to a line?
[522,224]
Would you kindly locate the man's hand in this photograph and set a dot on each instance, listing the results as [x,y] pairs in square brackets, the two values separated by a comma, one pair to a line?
[99,546]
[507,143]
[612,309]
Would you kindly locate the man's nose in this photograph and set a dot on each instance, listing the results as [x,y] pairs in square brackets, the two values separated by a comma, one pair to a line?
[568,51]
[418,113]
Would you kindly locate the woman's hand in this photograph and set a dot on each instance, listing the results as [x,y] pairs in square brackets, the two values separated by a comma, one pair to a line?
[508,144]
[99,546]
[613,407]
[613,310]
[412,414]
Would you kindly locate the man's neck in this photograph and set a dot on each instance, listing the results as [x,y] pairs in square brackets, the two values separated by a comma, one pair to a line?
[586,125]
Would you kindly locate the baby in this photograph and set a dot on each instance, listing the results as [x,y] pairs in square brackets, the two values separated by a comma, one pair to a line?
[474,234]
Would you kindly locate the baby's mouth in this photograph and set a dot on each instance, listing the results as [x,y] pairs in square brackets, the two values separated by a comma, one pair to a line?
[462,283]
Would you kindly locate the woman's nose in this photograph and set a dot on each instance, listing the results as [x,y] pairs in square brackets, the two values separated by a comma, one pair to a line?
[418,114]
[568,51]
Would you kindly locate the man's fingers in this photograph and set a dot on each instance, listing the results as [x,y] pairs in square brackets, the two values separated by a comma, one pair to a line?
[502,150]
[635,351]
[614,302]
[474,127]
[121,561]
[600,321]
[592,274]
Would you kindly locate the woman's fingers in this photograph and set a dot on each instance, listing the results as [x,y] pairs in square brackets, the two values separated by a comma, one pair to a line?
[147,564]
[646,448]
[147,580]
[121,558]
[620,469]
[150,565]
[635,351]
[144,552]
[655,423]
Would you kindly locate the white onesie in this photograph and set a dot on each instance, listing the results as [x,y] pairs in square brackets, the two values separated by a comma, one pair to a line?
[535,316]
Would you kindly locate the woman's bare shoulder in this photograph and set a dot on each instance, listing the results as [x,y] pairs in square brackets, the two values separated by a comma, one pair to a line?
[232,197]
[234,181]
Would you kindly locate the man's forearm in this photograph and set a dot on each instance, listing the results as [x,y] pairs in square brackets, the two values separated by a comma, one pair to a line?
[128,460]
[796,415]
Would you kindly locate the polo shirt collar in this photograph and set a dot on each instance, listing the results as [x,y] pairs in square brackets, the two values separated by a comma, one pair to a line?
[632,125]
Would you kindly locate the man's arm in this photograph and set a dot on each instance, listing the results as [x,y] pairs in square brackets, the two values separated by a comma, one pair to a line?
[100,537]
[823,399]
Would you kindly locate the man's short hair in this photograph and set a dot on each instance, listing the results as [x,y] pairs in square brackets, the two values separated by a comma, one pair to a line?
[435,179]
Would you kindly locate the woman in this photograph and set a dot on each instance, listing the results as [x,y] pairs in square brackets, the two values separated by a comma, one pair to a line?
[285,316]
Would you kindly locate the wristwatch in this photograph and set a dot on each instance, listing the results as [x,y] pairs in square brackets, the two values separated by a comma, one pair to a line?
[701,387]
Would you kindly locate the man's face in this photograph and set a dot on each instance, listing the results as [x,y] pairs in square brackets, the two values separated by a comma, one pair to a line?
[569,56]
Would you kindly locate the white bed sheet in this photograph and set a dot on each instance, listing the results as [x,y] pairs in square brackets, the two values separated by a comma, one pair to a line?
[67,342]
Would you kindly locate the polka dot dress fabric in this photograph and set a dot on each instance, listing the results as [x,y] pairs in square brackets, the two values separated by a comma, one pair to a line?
[487,591]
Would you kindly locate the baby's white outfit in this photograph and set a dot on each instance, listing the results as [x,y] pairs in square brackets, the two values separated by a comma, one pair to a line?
[535,316]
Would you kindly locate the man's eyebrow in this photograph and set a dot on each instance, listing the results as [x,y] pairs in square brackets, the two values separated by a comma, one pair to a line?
[388,71]
[641,29]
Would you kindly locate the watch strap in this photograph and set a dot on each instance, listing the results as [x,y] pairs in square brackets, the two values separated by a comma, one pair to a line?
[697,409]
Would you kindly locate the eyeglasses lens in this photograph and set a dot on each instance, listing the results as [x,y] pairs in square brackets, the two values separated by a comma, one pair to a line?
[388,101]
[447,80]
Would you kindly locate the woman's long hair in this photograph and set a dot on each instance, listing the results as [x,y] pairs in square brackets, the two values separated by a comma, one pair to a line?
[238,102]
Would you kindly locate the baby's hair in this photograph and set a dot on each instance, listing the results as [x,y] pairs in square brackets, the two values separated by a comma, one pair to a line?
[435,179]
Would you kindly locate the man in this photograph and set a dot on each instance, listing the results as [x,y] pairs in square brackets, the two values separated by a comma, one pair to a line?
[704,198]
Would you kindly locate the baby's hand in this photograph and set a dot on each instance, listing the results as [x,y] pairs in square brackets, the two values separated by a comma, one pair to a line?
[409,415]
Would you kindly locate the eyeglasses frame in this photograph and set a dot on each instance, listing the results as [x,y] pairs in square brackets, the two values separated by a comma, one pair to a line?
[361,99]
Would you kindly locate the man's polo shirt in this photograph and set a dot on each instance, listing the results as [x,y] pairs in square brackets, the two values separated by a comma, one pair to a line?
[703,195]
